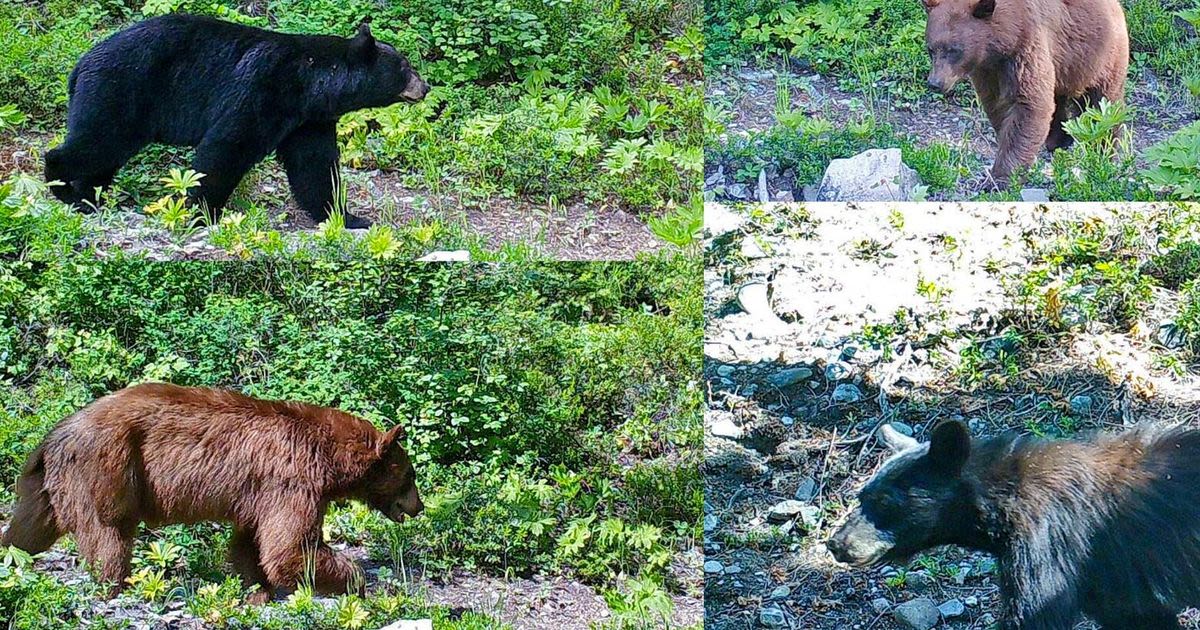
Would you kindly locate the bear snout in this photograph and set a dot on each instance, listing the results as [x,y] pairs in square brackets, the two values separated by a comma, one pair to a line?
[416,89]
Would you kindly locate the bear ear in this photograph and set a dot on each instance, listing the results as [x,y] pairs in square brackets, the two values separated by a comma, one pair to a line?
[984,9]
[929,4]
[391,439]
[949,446]
[362,45]
[895,440]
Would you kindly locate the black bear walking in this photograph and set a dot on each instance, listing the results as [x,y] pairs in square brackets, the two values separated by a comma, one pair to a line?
[234,92]
[1109,528]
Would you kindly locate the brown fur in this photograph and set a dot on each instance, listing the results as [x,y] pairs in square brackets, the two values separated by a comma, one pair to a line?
[1033,63]
[164,454]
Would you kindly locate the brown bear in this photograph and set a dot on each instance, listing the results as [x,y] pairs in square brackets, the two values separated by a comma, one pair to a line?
[1033,63]
[162,454]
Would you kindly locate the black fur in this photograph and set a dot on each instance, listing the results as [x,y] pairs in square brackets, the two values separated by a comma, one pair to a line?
[234,92]
[1109,528]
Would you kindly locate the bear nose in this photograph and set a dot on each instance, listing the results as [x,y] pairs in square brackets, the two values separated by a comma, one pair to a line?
[837,547]
[935,86]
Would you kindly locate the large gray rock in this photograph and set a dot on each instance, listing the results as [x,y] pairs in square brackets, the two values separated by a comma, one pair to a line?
[918,614]
[873,175]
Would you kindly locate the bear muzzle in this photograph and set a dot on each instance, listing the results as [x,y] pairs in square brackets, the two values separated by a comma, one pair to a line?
[859,543]
[415,90]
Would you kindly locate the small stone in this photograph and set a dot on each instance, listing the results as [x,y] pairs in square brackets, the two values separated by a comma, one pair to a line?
[787,421]
[785,511]
[810,517]
[732,569]
[1081,405]
[1171,336]
[764,193]
[880,605]
[917,581]
[807,490]
[720,424]
[848,353]
[971,600]
[987,619]
[785,196]
[712,566]
[725,370]
[711,522]
[838,371]
[789,377]
[918,614]
[410,624]
[780,592]
[1035,195]
[846,393]
[772,617]
[738,191]
[951,608]
[457,255]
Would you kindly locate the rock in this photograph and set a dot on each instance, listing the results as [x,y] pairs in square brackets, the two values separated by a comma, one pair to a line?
[880,605]
[838,371]
[807,490]
[785,196]
[456,255]
[810,517]
[785,511]
[971,600]
[715,179]
[410,624]
[846,393]
[1171,336]
[720,424]
[764,193]
[780,592]
[713,566]
[1035,195]
[917,581]
[918,614]
[720,220]
[738,191]
[787,421]
[725,370]
[902,428]
[753,299]
[873,175]
[810,193]
[772,617]
[710,523]
[1081,405]
[732,569]
[848,353]
[951,608]
[789,377]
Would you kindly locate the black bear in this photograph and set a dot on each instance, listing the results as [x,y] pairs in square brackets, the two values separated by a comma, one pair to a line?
[1109,528]
[235,93]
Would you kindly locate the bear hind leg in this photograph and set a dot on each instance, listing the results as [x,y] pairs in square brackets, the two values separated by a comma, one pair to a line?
[1064,109]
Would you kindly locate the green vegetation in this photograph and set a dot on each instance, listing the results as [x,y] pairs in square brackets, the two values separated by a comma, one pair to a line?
[875,50]
[551,410]
[550,102]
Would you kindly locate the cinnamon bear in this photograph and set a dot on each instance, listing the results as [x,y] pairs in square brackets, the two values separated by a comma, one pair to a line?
[163,454]
[1033,63]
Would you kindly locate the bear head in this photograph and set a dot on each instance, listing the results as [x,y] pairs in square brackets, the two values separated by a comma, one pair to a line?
[390,484]
[918,499]
[388,76]
[958,36]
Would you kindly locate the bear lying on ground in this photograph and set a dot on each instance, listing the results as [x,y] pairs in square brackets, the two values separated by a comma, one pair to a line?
[163,454]
[1033,63]
[235,93]
[1110,528]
